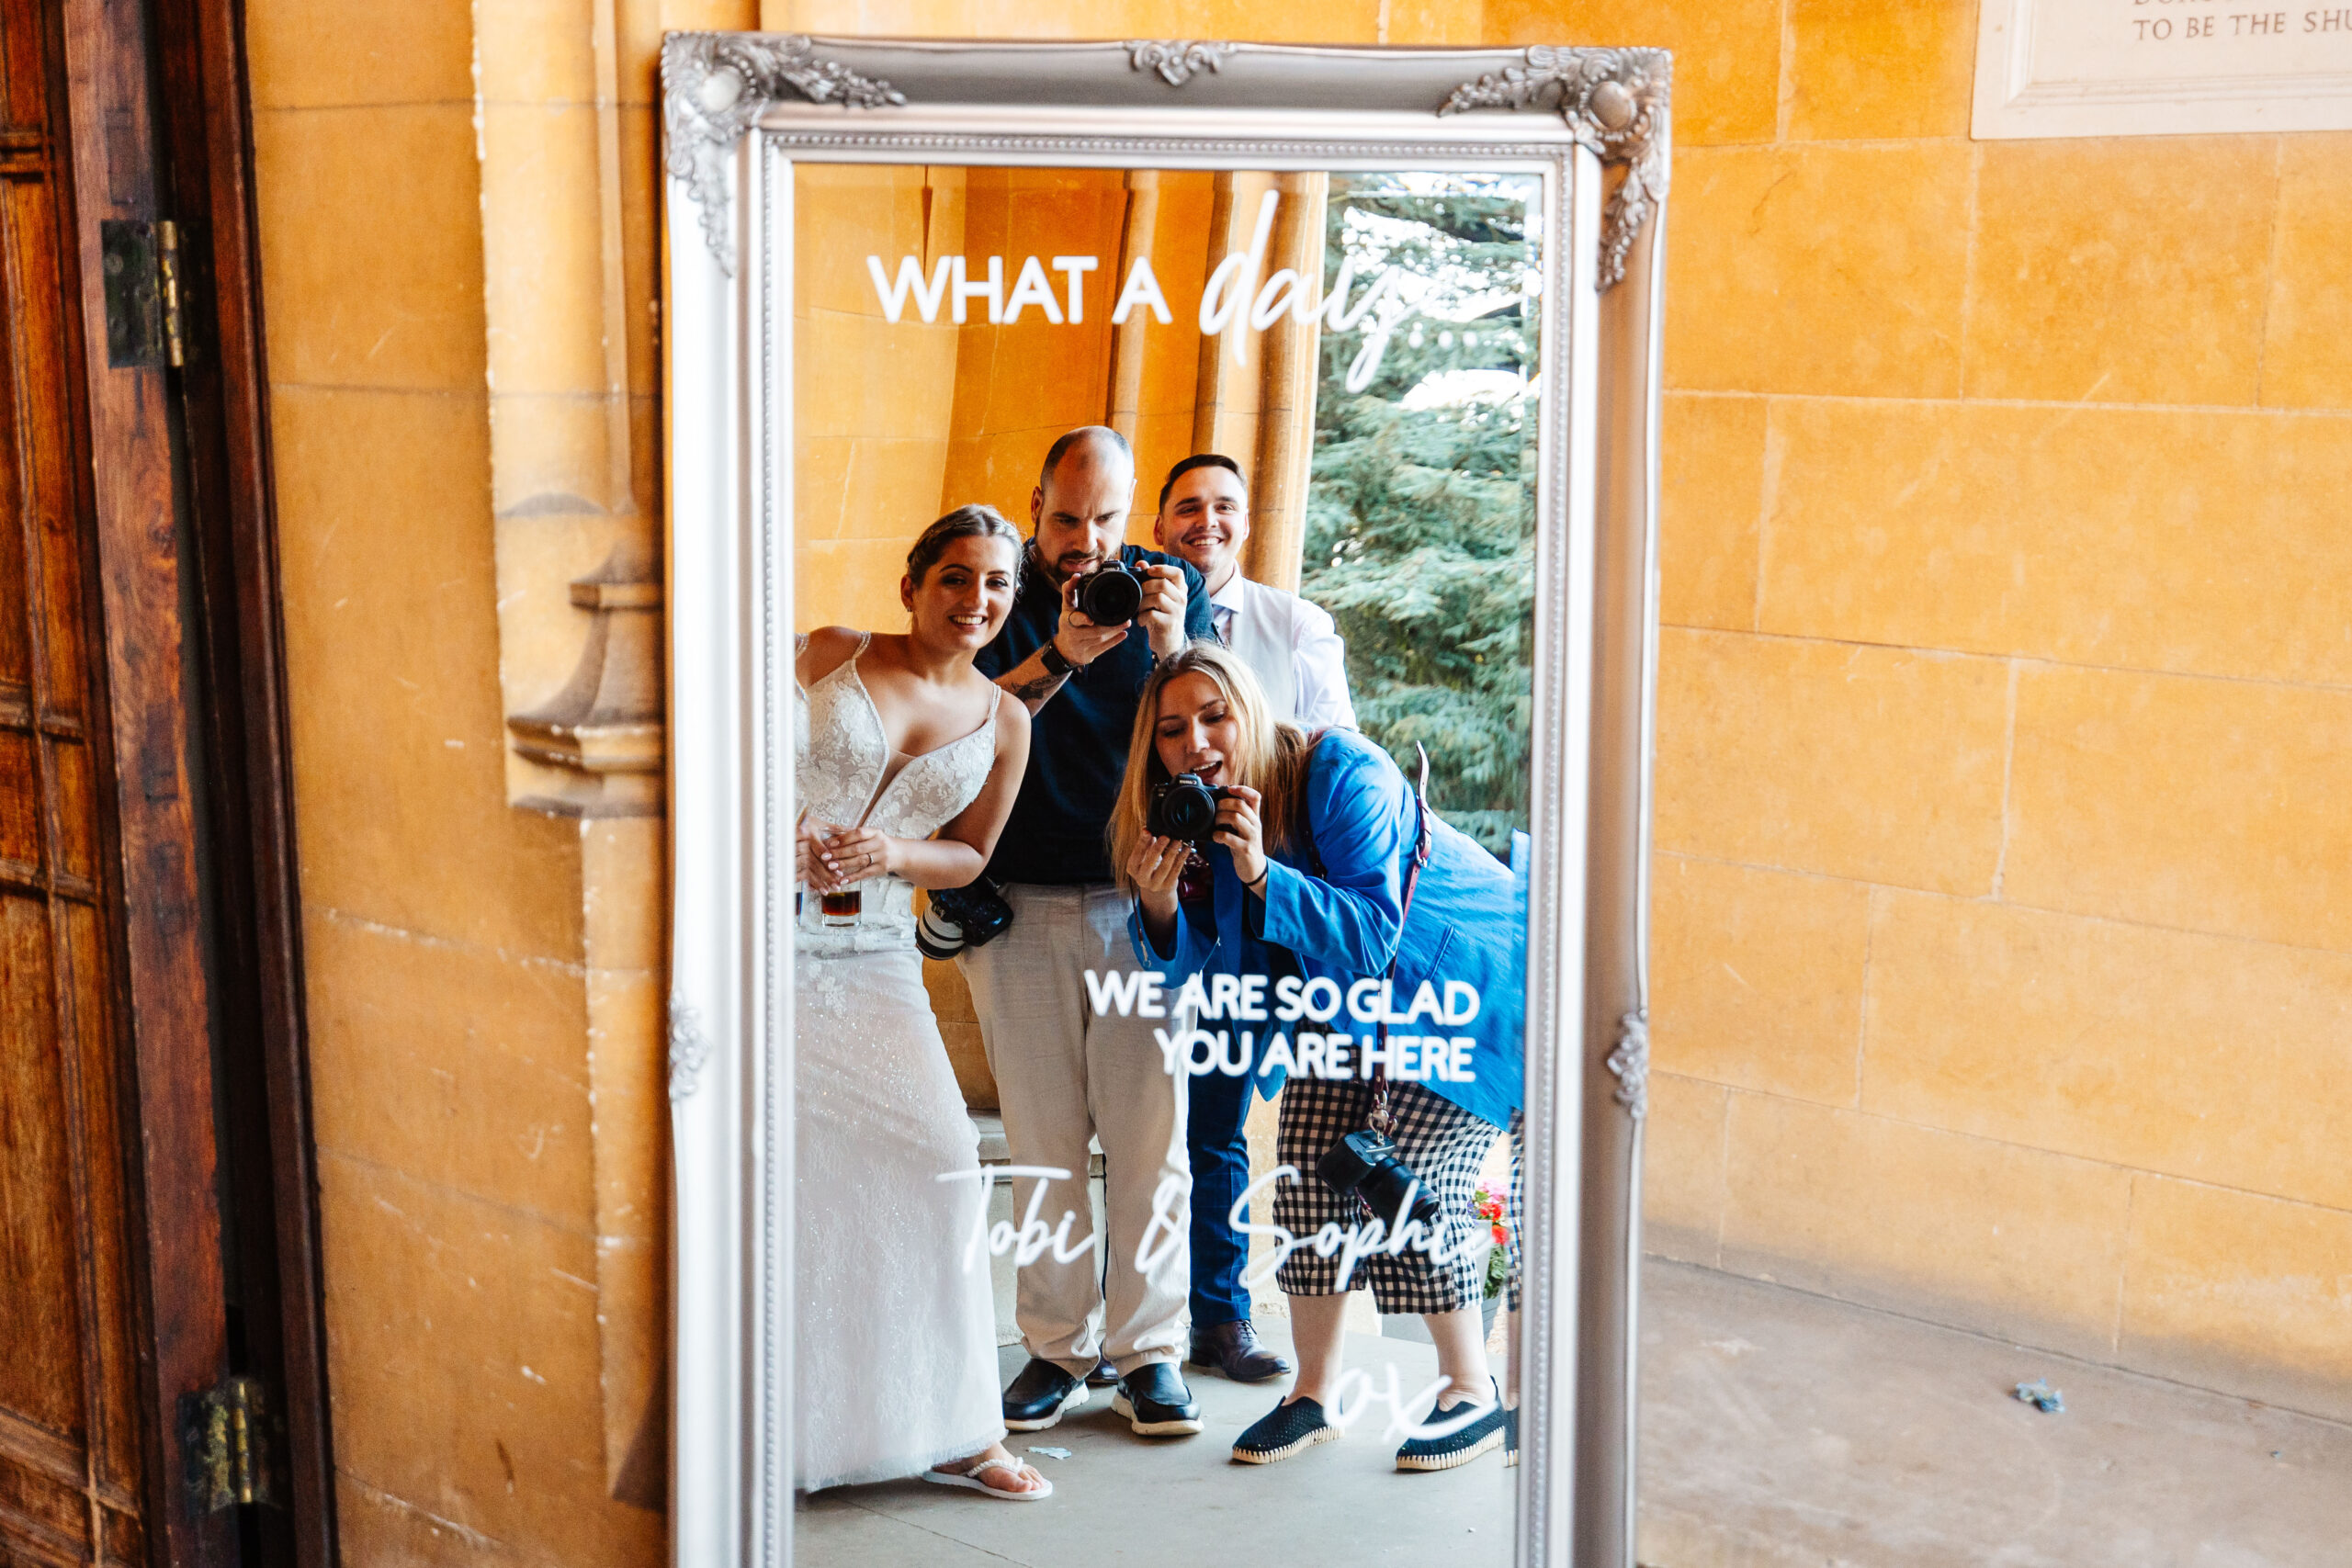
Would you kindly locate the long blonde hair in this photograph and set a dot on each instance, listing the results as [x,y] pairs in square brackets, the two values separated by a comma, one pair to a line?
[1273,760]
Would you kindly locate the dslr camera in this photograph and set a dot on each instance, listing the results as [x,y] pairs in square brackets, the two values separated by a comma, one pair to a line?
[1365,1164]
[1110,596]
[971,916]
[1184,809]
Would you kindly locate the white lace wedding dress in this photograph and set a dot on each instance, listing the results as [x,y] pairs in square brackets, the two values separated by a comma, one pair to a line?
[895,1360]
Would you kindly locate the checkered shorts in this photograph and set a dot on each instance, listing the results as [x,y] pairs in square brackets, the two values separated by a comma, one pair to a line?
[1443,1144]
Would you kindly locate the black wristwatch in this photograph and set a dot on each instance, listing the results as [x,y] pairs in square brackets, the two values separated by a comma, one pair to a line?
[1055,661]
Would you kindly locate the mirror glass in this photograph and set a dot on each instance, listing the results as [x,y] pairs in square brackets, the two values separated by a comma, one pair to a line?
[1159,1031]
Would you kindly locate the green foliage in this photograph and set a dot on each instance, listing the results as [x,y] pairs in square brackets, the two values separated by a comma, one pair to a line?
[1421,525]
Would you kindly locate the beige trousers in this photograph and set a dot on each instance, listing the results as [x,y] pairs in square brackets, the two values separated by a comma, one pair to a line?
[1064,1074]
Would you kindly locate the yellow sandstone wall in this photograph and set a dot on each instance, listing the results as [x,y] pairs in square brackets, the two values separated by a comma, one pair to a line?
[2003,896]
[2004,965]
[490,1268]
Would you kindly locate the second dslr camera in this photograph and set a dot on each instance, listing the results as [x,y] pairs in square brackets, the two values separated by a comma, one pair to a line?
[1110,596]
[1184,809]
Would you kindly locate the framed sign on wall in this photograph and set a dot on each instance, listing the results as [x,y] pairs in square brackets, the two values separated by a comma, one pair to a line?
[2162,67]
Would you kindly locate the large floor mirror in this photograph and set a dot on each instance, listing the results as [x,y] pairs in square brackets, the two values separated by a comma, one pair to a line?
[1160,571]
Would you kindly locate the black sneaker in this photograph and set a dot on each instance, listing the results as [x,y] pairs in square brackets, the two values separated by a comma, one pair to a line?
[1283,1431]
[1104,1375]
[1482,1432]
[1511,1437]
[1155,1403]
[1039,1396]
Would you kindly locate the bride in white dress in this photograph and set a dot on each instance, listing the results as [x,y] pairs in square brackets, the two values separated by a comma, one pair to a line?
[908,762]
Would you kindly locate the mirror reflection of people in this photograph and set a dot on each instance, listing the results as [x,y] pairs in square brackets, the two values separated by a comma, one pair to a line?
[1307,865]
[920,754]
[1292,645]
[1296,652]
[1064,1074]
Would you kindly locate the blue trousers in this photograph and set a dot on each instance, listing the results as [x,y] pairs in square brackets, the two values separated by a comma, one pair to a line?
[1220,1172]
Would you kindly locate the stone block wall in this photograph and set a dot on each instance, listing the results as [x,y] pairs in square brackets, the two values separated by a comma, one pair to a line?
[2003,960]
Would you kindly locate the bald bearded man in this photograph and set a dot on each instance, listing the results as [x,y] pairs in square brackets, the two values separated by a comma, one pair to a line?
[1063,1072]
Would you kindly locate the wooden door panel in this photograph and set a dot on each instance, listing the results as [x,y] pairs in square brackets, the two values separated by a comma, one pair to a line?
[21,803]
[41,443]
[74,1481]
[40,1277]
[23,98]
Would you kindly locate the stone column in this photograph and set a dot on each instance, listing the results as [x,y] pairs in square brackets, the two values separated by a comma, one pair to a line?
[1286,391]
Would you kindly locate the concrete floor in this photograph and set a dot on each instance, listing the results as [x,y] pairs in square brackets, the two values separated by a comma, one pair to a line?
[1779,1430]
[1181,1502]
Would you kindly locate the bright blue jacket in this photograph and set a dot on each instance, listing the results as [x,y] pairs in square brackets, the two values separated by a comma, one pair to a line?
[1340,921]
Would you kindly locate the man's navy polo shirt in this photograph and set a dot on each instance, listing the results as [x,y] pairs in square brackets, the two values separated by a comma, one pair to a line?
[1077,741]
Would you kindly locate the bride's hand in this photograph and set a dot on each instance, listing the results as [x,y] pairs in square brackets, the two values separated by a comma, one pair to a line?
[808,863]
[861,853]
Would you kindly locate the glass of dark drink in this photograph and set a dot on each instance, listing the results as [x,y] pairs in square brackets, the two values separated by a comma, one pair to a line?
[840,908]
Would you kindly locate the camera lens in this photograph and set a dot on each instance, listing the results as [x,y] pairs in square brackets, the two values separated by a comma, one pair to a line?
[1384,1187]
[961,918]
[1184,809]
[1111,596]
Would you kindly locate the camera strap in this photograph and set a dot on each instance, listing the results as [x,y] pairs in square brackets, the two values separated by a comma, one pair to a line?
[1384,1120]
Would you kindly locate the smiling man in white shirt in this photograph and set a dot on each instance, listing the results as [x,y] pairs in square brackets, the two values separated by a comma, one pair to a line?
[1295,653]
[1290,645]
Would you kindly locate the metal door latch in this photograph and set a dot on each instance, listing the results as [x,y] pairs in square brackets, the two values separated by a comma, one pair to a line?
[226,1434]
[141,264]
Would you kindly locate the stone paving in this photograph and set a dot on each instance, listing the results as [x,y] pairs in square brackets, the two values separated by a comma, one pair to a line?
[1779,1430]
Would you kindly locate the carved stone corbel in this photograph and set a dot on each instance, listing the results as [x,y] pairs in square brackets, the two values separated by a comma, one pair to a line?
[605,727]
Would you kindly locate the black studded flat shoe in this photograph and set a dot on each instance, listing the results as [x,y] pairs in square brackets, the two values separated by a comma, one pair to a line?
[1038,1396]
[1283,1431]
[1155,1403]
[1481,1432]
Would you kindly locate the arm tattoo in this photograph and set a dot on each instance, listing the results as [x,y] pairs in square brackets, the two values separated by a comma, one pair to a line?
[1039,688]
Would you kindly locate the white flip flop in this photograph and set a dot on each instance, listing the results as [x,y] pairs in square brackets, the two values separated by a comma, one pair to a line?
[971,1480]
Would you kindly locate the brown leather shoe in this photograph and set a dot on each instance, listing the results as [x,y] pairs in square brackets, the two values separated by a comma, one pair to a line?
[1233,1348]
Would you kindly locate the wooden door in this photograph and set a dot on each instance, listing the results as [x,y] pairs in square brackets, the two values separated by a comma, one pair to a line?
[73,1466]
[113,1302]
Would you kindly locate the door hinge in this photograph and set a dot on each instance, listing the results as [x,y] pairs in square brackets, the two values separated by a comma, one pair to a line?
[227,1436]
[142,265]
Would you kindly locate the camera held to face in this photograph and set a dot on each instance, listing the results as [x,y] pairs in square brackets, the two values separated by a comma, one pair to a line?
[1110,596]
[1184,809]
[972,915]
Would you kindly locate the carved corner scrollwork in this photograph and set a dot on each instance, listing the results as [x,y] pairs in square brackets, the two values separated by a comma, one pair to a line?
[1615,102]
[689,1049]
[715,86]
[1177,60]
[1631,1061]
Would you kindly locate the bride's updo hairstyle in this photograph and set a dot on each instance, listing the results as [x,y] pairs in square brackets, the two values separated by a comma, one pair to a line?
[963,523]
[1271,758]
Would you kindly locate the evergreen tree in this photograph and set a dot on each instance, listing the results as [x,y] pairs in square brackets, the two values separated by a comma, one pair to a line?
[1420,522]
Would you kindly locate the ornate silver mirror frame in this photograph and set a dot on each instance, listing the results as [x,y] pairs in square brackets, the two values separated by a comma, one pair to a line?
[738,110]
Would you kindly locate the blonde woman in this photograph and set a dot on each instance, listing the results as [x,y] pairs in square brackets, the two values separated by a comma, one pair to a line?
[1315,846]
